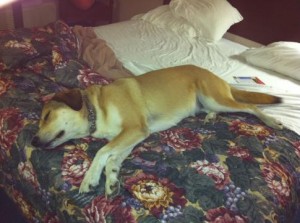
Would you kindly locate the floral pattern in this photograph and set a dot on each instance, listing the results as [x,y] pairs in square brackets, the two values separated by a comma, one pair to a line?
[155,194]
[74,165]
[4,85]
[213,170]
[245,128]
[11,124]
[181,139]
[225,216]
[101,209]
[233,170]
[279,181]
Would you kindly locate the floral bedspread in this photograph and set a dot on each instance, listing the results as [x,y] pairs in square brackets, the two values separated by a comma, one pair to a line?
[232,170]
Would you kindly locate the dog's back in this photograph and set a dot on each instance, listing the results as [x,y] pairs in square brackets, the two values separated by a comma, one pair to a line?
[175,93]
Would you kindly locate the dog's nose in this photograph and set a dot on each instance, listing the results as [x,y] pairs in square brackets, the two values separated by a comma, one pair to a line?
[36,141]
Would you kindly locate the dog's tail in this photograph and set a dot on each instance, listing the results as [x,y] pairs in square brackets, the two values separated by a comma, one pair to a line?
[254,97]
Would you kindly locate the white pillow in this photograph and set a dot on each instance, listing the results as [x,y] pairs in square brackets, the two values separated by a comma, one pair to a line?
[164,18]
[211,18]
[282,57]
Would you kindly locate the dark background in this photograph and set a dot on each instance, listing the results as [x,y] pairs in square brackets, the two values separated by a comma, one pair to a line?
[267,21]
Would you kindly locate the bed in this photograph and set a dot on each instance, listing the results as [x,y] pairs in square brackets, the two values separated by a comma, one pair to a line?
[235,169]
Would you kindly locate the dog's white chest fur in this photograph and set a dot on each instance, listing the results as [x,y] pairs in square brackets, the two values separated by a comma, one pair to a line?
[108,126]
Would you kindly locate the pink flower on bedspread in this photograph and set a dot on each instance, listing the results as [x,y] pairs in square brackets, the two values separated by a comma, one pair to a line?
[223,215]
[38,67]
[51,218]
[279,180]
[102,208]
[181,139]
[87,77]
[2,66]
[25,46]
[27,172]
[5,84]
[74,165]
[297,148]
[247,129]
[11,123]
[213,170]
[155,194]
[240,152]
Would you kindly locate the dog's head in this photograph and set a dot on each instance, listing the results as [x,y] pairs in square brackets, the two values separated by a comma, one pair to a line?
[62,119]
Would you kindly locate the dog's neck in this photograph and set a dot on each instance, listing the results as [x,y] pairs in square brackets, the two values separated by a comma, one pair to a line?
[91,114]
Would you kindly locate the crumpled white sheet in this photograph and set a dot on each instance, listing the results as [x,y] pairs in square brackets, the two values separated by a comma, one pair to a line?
[143,47]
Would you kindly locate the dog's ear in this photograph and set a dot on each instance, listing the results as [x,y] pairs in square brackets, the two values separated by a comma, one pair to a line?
[72,98]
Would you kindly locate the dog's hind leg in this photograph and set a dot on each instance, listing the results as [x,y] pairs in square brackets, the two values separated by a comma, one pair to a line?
[230,105]
[268,120]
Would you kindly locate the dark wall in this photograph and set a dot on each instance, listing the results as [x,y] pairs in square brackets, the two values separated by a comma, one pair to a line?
[267,21]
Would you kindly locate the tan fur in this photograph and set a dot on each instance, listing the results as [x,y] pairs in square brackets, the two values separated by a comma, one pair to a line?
[130,109]
[254,97]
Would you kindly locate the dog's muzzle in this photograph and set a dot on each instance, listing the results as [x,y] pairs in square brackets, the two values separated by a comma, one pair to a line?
[39,144]
[36,142]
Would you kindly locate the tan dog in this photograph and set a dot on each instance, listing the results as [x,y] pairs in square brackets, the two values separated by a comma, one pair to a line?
[129,109]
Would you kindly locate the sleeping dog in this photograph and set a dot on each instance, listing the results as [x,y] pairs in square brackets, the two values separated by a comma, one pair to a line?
[128,110]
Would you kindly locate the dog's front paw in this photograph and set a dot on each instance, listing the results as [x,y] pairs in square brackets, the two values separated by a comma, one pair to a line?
[84,187]
[112,186]
[90,179]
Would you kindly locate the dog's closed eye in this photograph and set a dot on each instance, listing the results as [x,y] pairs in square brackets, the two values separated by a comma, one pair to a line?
[60,134]
[46,116]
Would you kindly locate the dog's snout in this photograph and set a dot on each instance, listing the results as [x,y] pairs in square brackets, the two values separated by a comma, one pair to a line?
[36,142]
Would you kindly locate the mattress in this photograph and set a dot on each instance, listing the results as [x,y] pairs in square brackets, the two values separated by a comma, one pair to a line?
[143,47]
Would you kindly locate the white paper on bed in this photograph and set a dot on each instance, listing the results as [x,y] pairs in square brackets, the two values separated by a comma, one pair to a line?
[143,47]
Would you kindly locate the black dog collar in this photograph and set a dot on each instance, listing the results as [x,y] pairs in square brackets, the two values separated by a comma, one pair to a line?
[91,114]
